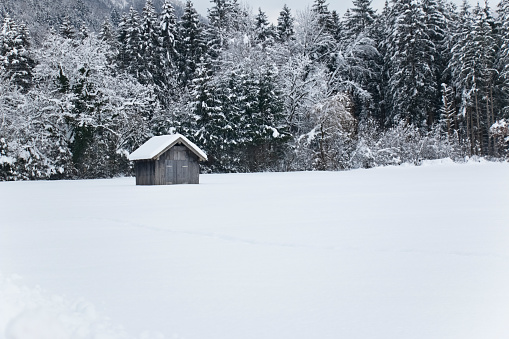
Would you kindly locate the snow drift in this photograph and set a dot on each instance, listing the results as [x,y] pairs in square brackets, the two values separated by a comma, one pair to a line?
[406,252]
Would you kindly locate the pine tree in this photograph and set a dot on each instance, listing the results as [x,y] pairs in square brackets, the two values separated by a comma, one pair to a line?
[461,27]
[412,91]
[107,32]
[336,22]
[108,35]
[324,16]
[451,35]
[115,17]
[285,28]
[6,162]
[320,44]
[267,144]
[359,75]
[224,18]
[360,59]
[150,68]
[265,32]
[473,72]
[478,69]
[381,94]
[208,122]
[361,18]
[436,25]
[169,34]
[67,30]
[122,35]
[348,27]
[503,56]
[191,44]
[129,36]
[81,10]
[16,61]
[447,111]
[254,109]
[83,32]
[240,111]
[169,55]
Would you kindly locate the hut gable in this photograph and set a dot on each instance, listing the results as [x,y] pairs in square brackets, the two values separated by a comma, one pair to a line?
[155,146]
[167,160]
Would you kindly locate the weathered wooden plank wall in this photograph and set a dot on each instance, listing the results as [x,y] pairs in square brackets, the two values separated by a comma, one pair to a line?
[144,172]
[194,172]
[178,165]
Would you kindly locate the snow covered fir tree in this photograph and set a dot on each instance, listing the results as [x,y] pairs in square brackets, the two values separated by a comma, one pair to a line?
[422,79]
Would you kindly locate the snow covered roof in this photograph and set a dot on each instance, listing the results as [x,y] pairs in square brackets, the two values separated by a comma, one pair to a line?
[156,146]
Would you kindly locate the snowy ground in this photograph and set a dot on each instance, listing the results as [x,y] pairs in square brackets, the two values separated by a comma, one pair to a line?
[406,252]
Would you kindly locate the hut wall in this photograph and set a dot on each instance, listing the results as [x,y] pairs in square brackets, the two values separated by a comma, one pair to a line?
[178,165]
[145,170]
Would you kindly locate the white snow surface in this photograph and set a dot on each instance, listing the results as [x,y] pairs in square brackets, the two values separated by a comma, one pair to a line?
[396,252]
[156,145]
[6,160]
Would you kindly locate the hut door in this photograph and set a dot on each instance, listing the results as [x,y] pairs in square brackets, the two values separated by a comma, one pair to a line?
[177,172]
[177,169]
[171,173]
[182,171]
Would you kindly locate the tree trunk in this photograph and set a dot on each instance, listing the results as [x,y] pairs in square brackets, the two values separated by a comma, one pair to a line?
[478,118]
[492,121]
[470,133]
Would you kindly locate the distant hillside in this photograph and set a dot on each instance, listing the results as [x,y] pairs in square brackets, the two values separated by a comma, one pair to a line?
[41,15]
[138,4]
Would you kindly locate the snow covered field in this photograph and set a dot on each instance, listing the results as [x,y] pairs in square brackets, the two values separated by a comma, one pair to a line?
[406,252]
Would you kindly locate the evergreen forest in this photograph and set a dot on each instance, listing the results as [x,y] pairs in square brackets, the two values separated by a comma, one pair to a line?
[421,79]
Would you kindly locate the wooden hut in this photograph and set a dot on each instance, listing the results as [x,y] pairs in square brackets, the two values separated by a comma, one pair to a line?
[167,160]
